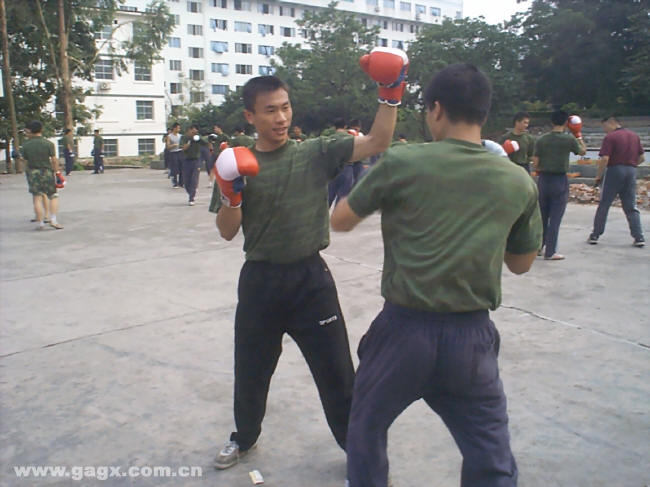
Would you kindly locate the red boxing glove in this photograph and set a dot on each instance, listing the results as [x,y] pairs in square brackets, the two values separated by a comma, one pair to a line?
[223,146]
[59,180]
[575,126]
[510,146]
[232,165]
[353,132]
[388,67]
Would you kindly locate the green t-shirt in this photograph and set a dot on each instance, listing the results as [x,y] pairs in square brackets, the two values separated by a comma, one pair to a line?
[97,142]
[285,216]
[553,150]
[193,151]
[67,142]
[37,151]
[526,147]
[242,141]
[450,210]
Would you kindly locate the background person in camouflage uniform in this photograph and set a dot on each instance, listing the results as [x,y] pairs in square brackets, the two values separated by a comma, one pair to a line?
[443,254]
[98,153]
[41,166]
[519,133]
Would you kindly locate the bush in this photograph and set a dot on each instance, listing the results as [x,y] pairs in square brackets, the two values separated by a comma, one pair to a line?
[77,166]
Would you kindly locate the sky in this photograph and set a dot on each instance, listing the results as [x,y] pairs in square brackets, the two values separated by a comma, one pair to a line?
[494,11]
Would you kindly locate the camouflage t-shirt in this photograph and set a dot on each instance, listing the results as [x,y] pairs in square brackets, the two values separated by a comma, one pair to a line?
[553,150]
[98,141]
[285,215]
[450,210]
[526,147]
[192,152]
[37,151]
[242,141]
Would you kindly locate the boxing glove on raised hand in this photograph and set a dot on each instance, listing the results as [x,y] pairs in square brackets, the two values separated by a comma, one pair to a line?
[223,146]
[575,126]
[388,67]
[495,148]
[232,166]
[59,180]
[510,146]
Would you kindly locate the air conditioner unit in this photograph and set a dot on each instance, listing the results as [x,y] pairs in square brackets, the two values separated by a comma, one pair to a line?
[377,8]
[104,86]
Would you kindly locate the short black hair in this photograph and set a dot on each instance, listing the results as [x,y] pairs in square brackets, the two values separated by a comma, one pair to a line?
[401,136]
[355,122]
[463,91]
[96,130]
[195,126]
[519,116]
[611,117]
[67,131]
[559,117]
[339,123]
[261,84]
[175,124]
[239,129]
[34,127]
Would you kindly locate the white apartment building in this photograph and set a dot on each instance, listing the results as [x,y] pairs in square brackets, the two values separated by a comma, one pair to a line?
[216,46]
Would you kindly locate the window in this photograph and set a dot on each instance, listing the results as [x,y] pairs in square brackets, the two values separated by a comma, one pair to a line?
[398,44]
[435,11]
[287,11]
[197,97]
[110,147]
[398,26]
[104,69]
[287,32]
[243,48]
[219,46]
[266,70]
[196,75]
[175,88]
[385,24]
[372,3]
[175,65]
[382,42]
[142,73]
[389,4]
[219,24]
[265,29]
[177,19]
[105,33]
[420,9]
[174,42]
[243,69]
[195,52]
[195,30]
[364,22]
[143,110]
[264,8]
[219,89]
[242,5]
[243,27]
[220,3]
[405,6]
[459,14]
[146,146]
[266,50]
[221,68]
[194,7]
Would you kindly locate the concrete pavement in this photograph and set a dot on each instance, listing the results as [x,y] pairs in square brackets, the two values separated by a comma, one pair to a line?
[116,343]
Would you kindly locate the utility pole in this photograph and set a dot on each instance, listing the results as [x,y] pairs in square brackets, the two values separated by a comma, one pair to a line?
[6,70]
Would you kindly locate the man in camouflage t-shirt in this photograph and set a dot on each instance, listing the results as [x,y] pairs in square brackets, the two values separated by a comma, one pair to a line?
[451,214]
[285,286]
[525,142]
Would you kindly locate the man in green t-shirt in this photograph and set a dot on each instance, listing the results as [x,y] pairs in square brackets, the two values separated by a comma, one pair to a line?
[451,214]
[297,134]
[240,139]
[67,142]
[191,144]
[551,161]
[520,153]
[42,167]
[285,286]
[98,153]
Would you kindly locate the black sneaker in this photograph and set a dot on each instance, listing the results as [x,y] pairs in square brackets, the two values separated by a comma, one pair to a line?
[639,242]
[593,239]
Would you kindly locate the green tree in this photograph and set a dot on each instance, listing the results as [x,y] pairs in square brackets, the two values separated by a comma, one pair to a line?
[37,31]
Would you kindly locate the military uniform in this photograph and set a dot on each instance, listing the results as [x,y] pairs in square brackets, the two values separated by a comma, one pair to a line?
[37,151]
[526,143]
[449,211]
[98,154]
[285,286]
[191,166]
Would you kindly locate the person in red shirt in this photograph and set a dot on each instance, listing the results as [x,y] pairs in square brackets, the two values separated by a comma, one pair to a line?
[620,153]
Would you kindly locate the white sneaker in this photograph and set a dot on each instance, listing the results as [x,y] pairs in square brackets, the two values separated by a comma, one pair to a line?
[229,455]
